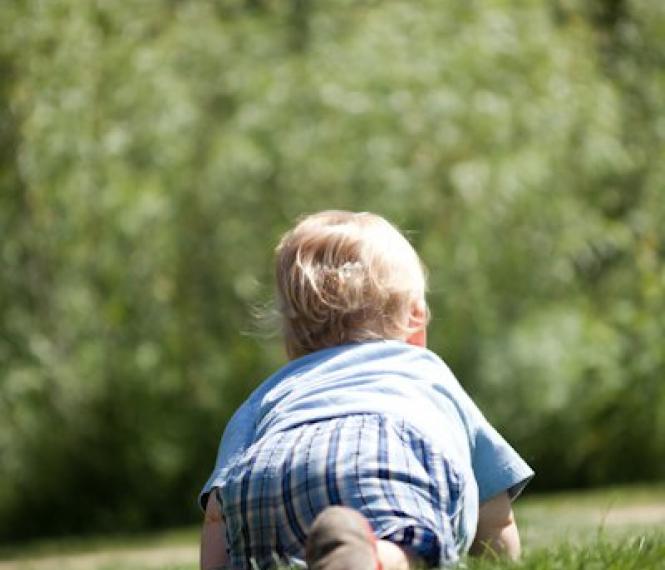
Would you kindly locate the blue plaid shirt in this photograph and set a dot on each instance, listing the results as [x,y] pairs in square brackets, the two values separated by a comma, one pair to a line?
[389,379]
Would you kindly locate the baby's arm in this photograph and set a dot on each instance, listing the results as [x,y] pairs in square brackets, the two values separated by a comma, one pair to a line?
[213,536]
[497,532]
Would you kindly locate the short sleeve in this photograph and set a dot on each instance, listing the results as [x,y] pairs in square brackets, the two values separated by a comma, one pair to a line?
[237,436]
[496,465]
[213,481]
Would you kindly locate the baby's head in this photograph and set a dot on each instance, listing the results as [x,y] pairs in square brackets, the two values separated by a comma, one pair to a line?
[348,277]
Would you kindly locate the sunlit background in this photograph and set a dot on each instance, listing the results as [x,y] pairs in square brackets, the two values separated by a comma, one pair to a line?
[152,152]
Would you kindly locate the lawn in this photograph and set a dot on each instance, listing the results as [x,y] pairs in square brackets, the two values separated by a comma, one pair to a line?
[617,528]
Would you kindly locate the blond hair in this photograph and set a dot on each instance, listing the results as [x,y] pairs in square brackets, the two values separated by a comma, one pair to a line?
[346,277]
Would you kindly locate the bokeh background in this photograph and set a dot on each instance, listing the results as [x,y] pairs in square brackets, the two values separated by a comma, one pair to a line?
[152,152]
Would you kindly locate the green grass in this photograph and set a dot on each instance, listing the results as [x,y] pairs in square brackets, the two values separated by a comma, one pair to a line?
[617,528]
[640,552]
[575,517]
[117,542]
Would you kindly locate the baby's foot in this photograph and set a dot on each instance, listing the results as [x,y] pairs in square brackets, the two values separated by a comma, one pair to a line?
[341,539]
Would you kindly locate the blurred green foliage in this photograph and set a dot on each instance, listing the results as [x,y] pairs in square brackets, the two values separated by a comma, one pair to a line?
[152,151]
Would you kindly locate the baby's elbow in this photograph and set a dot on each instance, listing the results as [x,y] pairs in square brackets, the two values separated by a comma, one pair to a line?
[213,555]
[497,512]
[497,532]
[503,520]
[501,541]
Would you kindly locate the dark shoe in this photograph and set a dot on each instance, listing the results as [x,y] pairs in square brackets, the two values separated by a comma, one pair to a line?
[341,539]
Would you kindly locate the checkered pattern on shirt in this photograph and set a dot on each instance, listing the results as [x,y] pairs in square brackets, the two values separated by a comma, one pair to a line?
[407,489]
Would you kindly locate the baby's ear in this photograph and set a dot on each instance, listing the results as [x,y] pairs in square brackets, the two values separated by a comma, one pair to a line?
[418,322]
[419,316]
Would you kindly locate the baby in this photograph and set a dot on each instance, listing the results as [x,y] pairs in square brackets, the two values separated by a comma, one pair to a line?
[363,452]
